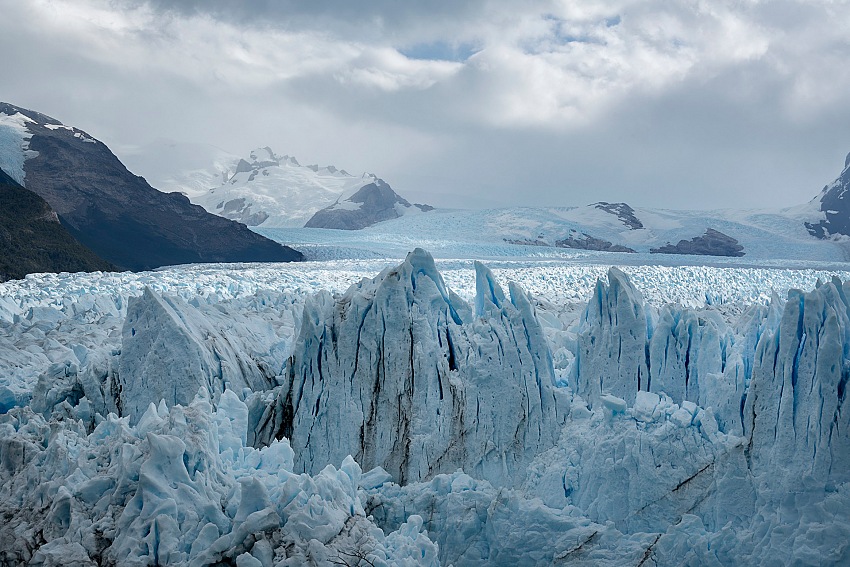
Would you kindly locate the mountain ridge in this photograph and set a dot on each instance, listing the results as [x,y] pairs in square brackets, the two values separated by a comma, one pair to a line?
[834,206]
[118,214]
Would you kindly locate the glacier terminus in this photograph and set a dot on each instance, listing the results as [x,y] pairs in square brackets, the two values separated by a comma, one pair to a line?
[437,413]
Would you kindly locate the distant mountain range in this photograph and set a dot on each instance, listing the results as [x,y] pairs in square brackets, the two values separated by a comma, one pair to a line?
[811,232]
[116,214]
[269,190]
[617,227]
[130,224]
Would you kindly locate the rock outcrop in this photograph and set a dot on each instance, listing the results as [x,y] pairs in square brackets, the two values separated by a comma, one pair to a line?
[834,204]
[371,204]
[712,243]
[587,242]
[622,211]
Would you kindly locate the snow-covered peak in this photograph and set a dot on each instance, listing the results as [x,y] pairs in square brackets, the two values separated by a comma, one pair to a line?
[262,188]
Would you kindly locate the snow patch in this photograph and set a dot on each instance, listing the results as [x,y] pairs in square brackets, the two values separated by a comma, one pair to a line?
[14,145]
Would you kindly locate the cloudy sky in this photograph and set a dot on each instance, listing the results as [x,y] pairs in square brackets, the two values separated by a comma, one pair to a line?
[661,103]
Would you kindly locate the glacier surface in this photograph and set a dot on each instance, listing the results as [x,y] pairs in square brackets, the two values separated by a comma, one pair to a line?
[438,413]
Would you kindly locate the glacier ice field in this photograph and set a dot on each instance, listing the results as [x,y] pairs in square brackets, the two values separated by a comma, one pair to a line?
[413,411]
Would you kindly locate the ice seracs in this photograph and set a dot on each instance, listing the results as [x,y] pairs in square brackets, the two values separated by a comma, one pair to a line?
[794,414]
[732,451]
[401,374]
[610,356]
[181,488]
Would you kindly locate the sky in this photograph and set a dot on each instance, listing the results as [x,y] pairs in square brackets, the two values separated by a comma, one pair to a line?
[482,103]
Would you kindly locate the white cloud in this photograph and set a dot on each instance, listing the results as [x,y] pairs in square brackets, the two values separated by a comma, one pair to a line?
[720,80]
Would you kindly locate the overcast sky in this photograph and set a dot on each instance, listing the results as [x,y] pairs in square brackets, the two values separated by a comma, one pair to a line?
[659,103]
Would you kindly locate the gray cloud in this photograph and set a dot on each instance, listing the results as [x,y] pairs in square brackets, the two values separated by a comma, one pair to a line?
[384,20]
[656,103]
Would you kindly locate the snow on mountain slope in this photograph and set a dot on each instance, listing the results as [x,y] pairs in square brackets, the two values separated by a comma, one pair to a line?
[264,189]
[831,217]
[14,145]
[734,450]
[273,190]
[767,237]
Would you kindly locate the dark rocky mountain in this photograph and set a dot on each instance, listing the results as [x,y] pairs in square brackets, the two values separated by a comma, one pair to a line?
[32,239]
[834,206]
[712,243]
[119,215]
[624,212]
[372,203]
[586,242]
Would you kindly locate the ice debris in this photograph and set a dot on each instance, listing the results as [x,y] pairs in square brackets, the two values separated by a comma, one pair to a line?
[659,434]
[181,488]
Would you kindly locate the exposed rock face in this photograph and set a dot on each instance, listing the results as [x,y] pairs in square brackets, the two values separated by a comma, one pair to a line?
[712,243]
[372,203]
[625,213]
[527,242]
[835,206]
[587,242]
[122,218]
[402,374]
[32,240]
[238,210]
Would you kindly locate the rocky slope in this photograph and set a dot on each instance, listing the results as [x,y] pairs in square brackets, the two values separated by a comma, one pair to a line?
[115,213]
[712,243]
[834,206]
[371,204]
[33,240]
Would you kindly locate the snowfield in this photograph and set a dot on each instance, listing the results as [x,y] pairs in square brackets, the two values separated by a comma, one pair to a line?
[411,411]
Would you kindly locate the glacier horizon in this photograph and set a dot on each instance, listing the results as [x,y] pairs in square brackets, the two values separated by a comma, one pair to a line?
[716,434]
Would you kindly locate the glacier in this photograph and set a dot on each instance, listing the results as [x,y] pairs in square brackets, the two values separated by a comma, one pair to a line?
[439,413]
[14,145]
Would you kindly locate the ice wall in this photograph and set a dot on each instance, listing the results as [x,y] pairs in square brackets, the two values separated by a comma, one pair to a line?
[400,373]
[733,452]
[624,345]
[798,429]
[170,349]
[611,355]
